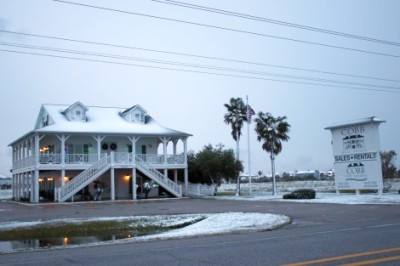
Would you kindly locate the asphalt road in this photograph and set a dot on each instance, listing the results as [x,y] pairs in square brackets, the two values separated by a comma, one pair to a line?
[320,234]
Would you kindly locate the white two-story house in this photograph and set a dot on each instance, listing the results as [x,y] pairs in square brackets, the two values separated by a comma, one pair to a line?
[75,151]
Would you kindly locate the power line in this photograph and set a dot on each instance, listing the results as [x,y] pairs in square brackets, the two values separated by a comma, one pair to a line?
[199,72]
[181,64]
[230,29]
[196,56]
[273,21]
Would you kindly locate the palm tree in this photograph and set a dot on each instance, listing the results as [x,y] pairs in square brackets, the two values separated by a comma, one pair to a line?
[235,116]
[272,131]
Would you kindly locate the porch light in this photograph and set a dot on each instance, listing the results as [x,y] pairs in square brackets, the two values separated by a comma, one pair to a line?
[50,179]
[127,177]
[40,179]
[44,149]
[65,241]
[66,179]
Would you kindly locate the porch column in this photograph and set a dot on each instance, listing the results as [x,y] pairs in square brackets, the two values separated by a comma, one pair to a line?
[16,187]
[37,149]
[186,174]
[112,184]
[99,139]
[186,180]
[36,186]
[31,186]
[175,142]
[134,196]
[165,142]
[63,139]
[19,186]
[62,177]
[185,150]
[133,139]
[23,187]
[31,145]
[17,151]
[176,175]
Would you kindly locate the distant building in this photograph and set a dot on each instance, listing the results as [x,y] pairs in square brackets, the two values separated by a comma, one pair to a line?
[5,182]
[306,174]
[80,151]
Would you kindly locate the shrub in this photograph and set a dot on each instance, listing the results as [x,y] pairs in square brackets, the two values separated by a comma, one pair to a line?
[301,194]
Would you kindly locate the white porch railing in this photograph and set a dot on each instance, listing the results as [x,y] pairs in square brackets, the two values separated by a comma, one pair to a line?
[151,158]
[81,158]
[26,162]
[50,158]
[175,159]
[91,158]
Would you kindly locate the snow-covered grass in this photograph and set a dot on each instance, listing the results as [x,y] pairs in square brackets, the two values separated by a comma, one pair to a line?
[343,198]
[325,192]
[228,223]
[201,224]
[390,185]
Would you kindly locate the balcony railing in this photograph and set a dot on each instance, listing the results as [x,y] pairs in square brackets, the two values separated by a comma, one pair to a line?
[26,162]
[81,158]
[119,158]
[50,158]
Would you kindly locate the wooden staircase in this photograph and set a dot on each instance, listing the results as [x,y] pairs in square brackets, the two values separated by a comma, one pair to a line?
[89,175]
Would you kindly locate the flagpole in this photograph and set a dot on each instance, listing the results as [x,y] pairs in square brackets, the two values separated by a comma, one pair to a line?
[248,141]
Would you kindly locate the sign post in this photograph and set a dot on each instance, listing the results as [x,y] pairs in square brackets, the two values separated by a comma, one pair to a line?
[356,150]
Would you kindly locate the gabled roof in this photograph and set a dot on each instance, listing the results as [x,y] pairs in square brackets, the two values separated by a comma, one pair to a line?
[78,103]
[135,107]
[101,120]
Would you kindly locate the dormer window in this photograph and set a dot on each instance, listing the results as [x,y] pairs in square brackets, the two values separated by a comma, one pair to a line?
[45,120]
[135,114]
[76,112]
[78,115]
[138,117]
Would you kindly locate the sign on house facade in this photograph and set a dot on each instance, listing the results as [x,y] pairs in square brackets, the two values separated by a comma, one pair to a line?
[356,149]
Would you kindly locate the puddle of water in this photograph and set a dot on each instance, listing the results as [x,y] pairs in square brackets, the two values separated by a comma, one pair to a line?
[7,246]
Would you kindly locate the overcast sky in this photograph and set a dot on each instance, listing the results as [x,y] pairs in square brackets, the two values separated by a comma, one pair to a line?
[193,102]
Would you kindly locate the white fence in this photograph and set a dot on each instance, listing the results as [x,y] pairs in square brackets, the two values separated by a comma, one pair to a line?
[5,194]
[198,190]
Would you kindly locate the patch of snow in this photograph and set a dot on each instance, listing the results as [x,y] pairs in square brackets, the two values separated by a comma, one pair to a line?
[226,223]
[385,198]
[211,224]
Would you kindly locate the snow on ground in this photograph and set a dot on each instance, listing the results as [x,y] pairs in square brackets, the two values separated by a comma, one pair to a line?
[385,198]
[227,223]
[210,224]
[325,192]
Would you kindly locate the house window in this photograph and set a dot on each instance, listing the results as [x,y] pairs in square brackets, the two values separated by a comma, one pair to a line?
[77,115]
[45,120]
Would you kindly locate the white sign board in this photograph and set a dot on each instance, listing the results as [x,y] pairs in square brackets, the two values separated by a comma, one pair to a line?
[356,149]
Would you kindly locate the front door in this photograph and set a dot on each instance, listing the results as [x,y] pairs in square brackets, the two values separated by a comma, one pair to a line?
[143,149]
[144,152]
